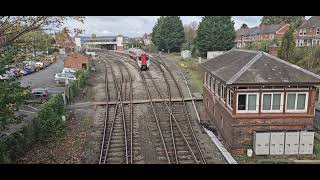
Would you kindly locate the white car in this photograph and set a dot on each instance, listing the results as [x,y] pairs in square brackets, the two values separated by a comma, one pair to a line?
[4,77]
[62,77]
[69,70]
[40,65]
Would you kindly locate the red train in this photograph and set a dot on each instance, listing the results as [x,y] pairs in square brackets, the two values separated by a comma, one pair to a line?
[140,57]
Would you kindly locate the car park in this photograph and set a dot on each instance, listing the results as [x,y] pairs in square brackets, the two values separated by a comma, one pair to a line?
[62,77]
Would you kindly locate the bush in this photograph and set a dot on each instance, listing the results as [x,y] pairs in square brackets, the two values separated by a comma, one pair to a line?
[48,123]
[16,144]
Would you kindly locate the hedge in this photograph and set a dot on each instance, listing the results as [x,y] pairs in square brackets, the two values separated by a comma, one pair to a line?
[46,125]
[48,122]
[74,86]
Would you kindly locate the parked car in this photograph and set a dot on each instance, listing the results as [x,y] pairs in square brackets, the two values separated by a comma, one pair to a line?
[4,77]
[93,68]
[40,93]
[28,70]
[15,72]
[69,70]
[62,77]
[40,65]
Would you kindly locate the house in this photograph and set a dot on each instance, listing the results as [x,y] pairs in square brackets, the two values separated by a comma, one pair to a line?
[76,61]
[248,92]
[246,36]
[272,31]
[308,33]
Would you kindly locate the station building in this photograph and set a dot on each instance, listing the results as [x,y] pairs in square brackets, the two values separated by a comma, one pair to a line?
[250,92]
[104,42]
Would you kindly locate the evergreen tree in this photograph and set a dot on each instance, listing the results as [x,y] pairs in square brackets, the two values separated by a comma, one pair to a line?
[172,33]
[215,33]
[168,33]
[156,37]
[287,45]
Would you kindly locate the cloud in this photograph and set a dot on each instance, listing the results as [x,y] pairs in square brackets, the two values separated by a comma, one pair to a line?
[134,26]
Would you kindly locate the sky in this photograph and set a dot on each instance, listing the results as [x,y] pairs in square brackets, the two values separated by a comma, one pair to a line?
[135,26]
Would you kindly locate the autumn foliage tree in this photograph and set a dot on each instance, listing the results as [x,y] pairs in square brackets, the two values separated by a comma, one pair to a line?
[14,27]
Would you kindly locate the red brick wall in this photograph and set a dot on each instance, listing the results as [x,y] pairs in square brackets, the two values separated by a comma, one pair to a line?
[273,51]
[237,130]
[75,61]
[216,110]
[281,32]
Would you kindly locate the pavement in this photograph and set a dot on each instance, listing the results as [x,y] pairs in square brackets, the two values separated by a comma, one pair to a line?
[45,77]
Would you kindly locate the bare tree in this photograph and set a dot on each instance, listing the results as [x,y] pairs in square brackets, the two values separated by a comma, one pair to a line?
[190,32]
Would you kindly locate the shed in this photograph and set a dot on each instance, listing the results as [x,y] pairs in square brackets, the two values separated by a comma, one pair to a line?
[76,61]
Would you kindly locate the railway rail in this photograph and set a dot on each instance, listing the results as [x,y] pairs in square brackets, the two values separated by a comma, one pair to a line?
[172,126]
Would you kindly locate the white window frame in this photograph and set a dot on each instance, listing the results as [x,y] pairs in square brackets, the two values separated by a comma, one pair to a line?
[228,98]
[217,85]
[208,81]
[296,102]
[272,111]
[205,78]
[222,91]
[247,97]
[212,84]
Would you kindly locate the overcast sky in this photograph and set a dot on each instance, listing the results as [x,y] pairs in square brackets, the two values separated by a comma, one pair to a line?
[134,26]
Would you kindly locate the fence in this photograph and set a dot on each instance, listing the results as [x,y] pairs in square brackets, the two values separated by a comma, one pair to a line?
[73,87]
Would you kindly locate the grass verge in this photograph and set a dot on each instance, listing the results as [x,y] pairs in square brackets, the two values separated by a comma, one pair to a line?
[190,67]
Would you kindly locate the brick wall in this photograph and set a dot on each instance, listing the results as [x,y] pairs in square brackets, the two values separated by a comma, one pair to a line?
[237,130]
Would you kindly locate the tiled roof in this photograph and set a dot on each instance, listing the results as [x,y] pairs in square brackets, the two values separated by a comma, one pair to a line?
[272,28]
[262,29]
[247,31]
[314,21]
[256,67]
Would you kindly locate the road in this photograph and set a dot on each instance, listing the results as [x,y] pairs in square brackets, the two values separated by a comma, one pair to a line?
[45,78]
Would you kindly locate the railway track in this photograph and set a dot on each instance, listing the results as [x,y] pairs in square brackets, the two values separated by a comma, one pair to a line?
[171,126]
[116,146]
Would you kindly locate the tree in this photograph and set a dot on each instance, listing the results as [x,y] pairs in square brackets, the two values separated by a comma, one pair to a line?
[215,33]
[190,32]
[16,26]
[12,94]
[62,36]
[93,36]
[168,33]
[244,26]
[287,45]
[35,40]
[295,21]
[155,35]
